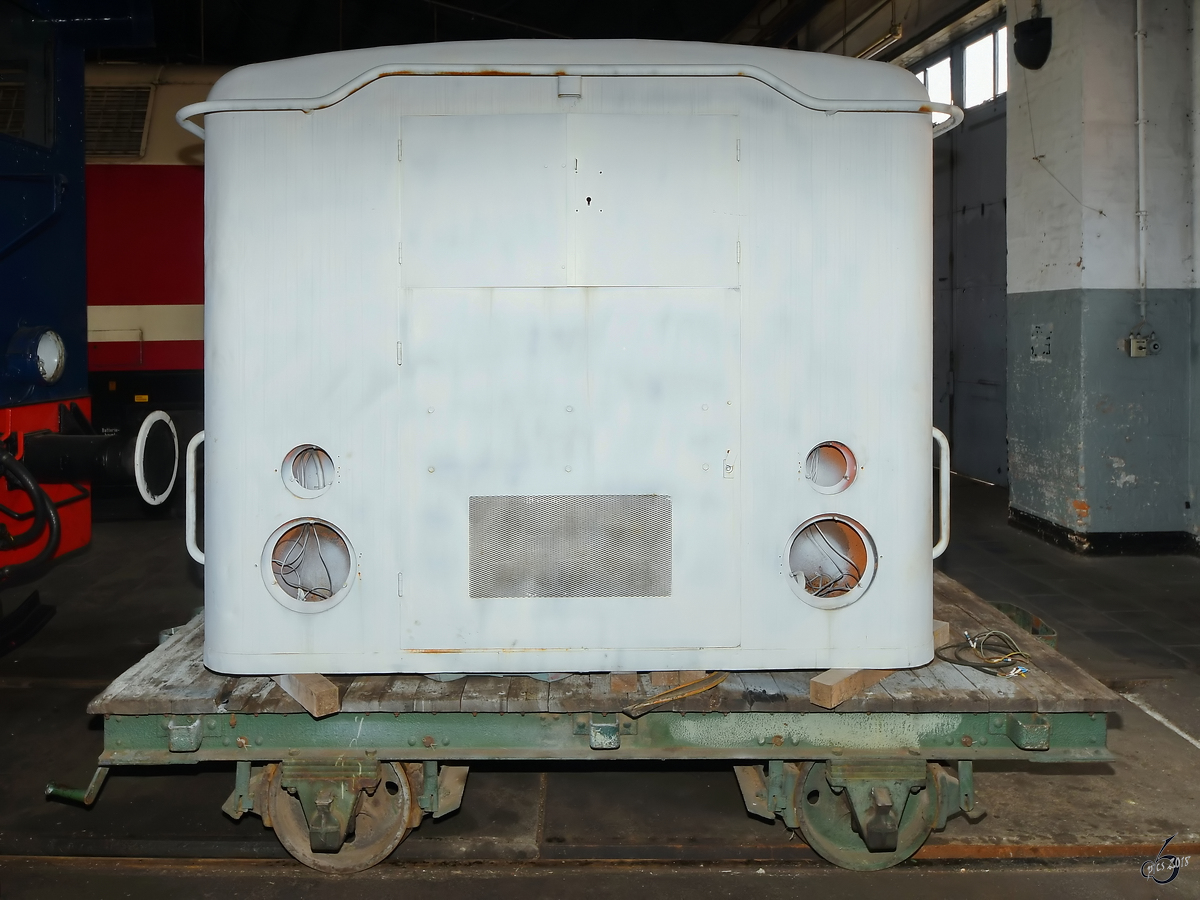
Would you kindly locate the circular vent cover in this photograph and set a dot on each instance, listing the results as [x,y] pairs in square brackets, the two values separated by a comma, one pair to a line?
[308,565]
[831,561]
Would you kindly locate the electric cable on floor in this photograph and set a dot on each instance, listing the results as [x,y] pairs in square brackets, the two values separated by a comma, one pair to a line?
[994,653]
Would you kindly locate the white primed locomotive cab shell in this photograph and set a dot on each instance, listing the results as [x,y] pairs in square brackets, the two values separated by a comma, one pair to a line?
[566,344]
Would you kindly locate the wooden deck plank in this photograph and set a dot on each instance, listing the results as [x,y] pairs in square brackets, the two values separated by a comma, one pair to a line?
[763,693]
[171,679]
[259,694]
[484,694]
[952,682]
[795,684]
[1003,694]
[430,695]
[731,694]
[366,693]
[527,695]
[271,698]
[872,699]
[911,693]
[572,694]
[1058,684]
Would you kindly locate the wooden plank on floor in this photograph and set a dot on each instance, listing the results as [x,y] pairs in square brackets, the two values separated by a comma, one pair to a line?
[703,702]
[572,694]
[603,699]
[484,693]
[172,679]
[966,698]
[366,693]
[731,694]
[1002,694]
[527,695]
[430,695]
[795,684]
[763,693]
[267,696]
[258,694]
[1058,684]
[911,693]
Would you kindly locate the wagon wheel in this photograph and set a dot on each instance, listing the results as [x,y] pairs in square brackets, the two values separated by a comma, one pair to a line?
[828,825]
[380,825]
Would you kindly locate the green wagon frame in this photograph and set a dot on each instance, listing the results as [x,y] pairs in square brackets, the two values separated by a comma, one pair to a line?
[865,783]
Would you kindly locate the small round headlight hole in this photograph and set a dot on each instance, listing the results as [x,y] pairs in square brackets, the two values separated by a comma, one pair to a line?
[830,467]
[308,471]
[309,565]
[831,561]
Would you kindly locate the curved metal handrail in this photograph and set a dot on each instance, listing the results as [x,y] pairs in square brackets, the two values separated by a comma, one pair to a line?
[311,104]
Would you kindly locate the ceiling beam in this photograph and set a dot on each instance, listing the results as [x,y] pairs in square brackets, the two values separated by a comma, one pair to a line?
[774,23]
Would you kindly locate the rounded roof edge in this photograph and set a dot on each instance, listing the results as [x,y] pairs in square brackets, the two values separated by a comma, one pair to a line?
[820,75]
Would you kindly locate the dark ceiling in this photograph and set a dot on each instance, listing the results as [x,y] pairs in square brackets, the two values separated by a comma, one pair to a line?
[235,32]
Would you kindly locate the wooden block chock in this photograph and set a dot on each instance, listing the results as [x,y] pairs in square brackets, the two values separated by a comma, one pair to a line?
[623,682]
[941,633]
[315,693]
[832,687]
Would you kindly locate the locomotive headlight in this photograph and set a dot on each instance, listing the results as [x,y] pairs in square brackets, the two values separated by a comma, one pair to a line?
[36,355]
[51,356]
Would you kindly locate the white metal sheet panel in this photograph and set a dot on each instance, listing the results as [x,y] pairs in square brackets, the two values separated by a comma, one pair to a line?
[569,392]
[654,200]
[510,201]
[479,193]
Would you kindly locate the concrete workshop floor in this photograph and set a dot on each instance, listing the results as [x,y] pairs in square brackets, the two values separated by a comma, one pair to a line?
[1133,622]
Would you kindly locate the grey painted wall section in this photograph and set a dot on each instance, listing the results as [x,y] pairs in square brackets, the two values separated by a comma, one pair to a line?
[1098,442]
[1045,389]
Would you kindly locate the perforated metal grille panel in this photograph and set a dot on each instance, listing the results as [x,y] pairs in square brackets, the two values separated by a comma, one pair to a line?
[114,119]
[589,546]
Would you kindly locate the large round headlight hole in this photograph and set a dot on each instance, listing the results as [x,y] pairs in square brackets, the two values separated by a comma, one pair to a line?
[830,467]
[308,565]
[831,561]
[308,471]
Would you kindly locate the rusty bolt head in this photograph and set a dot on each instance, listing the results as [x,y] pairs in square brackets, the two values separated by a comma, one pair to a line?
[243,742]
[966,740]
[777,740]
[428,741]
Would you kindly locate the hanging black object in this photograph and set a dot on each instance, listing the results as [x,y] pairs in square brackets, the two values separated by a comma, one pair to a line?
[1031,42]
